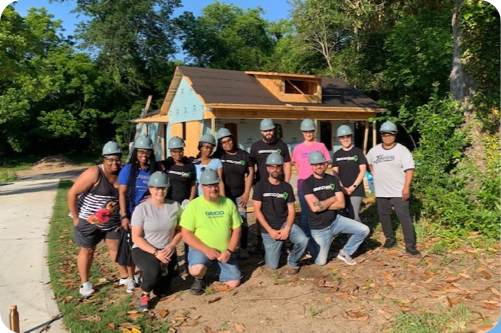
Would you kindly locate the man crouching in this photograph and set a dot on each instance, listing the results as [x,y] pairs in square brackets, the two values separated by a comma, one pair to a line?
[211,226]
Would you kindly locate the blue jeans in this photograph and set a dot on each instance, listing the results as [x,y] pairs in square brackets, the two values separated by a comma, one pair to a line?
[322,238]
[305,210]
[228,271]
[273,247]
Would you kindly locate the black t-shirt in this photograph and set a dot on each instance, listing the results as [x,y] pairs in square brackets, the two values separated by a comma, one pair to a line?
[235,168]
[274,201]
[349,163]
[323,189]
[181,178]
[260,151]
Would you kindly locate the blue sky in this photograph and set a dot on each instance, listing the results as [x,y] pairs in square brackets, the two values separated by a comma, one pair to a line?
[274,10]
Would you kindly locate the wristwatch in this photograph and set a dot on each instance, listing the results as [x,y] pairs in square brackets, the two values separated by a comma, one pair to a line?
[123,217]
[355,185]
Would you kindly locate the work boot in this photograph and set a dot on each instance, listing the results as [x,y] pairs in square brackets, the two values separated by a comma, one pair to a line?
[411,249]
[198,286]
[390,242]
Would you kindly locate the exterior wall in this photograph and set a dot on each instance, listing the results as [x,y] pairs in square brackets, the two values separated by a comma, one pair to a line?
[186,105]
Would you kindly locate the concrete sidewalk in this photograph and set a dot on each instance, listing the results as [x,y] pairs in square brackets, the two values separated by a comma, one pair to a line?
[26,209]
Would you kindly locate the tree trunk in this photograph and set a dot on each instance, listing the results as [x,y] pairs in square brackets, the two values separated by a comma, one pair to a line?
[462,89]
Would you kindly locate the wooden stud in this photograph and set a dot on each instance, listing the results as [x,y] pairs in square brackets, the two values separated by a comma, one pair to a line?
[366,137]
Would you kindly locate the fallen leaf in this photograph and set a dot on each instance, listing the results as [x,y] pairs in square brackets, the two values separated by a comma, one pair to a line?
[328,299]
[162,313]
[207,329]
[180,318]
[239,327]
[94,319]
[134,316]
[294,279]
[476,251]
[214,300]
[111,326]
[495,291]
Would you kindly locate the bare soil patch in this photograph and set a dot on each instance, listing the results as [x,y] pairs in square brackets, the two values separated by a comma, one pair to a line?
[51,167]
[336,297]
[53,162]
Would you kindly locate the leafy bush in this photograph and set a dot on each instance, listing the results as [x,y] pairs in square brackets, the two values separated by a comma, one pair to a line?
[453,190]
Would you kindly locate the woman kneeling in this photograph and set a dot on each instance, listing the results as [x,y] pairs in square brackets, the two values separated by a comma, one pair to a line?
[155,233]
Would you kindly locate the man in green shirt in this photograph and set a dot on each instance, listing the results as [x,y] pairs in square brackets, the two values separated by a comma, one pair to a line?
[211,226]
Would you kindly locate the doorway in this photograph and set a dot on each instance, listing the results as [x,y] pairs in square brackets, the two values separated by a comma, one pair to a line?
[326,134]
[233,129]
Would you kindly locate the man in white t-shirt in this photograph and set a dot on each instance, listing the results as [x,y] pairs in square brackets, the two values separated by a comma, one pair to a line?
[392,166]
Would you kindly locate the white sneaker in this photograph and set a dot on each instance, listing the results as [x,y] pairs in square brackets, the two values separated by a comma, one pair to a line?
[346,258]
[123,282]
[86,289]
[131,285]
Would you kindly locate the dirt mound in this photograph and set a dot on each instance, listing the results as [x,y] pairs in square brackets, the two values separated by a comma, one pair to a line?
[53,162]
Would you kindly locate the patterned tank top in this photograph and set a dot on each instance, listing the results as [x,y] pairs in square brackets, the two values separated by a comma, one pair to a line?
[100,196]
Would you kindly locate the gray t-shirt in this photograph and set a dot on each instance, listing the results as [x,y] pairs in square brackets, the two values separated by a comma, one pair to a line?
[159,224]
[389,166]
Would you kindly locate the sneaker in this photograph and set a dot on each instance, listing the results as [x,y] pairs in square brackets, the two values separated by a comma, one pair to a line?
[244,254]
[131,285]
[137,279]
[86,289]
[291,270]
[390,242]
[411,249]
[198,287]
[144,301]
[346,258]
[122,282]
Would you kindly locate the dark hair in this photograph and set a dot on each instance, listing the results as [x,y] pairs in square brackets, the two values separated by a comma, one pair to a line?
[220,151]
[134,170]
[200,148]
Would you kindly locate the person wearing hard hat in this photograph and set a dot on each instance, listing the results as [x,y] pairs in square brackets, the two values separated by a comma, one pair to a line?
[182,173]
[350,164]
[300,158]
[205,160]
[211,226]
[238,175]
[269,144]
[324,195]
[273,202]
[155,233]
[133,186]
[93,203]
[392,166]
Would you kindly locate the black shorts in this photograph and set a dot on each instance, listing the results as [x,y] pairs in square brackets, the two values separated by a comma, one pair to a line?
[88,235]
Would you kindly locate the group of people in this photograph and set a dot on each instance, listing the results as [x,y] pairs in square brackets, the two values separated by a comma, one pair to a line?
[203,201]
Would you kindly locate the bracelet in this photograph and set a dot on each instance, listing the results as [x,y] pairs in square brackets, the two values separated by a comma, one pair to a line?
[155,253]
[231,252]
[123,217]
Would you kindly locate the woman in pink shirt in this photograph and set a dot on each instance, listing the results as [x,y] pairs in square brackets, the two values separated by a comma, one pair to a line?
[300,158]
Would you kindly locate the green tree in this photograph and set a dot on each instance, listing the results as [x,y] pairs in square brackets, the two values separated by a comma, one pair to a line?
[226,37]
[321,27]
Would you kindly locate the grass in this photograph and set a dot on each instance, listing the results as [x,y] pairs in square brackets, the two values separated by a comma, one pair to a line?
[7,176]
[450,320]
[109,306]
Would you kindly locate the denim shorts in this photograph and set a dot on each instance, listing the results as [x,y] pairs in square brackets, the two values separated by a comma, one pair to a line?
[228,271]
